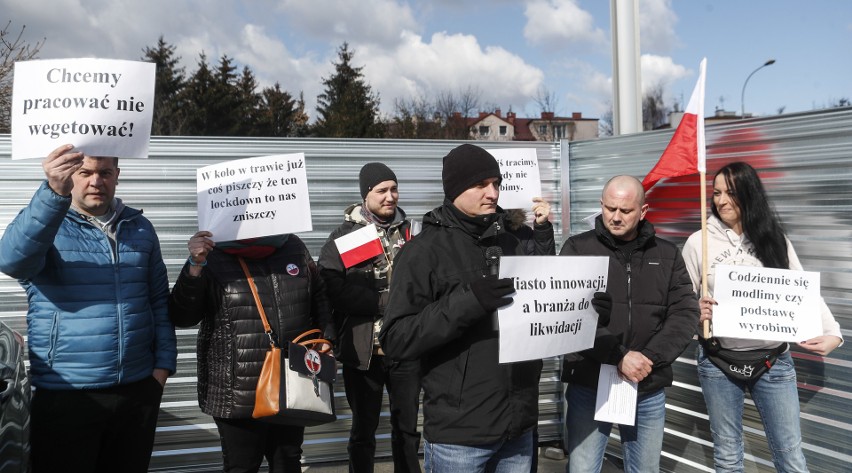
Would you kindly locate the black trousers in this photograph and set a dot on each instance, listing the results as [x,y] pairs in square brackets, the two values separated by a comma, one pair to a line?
[364,390]
[245,443]
[95,430]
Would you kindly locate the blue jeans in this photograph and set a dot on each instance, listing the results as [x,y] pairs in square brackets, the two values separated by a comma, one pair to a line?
[506,456]
[777,401]
[587,438]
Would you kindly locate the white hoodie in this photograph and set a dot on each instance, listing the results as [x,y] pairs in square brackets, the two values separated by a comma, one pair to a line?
[724,246]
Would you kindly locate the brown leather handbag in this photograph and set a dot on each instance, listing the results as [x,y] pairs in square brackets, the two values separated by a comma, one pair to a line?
[305,395]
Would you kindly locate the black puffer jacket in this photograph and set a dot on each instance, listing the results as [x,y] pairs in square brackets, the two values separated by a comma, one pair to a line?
[231,340]
[654,311]
[469,398]
[354,291]
[537,240]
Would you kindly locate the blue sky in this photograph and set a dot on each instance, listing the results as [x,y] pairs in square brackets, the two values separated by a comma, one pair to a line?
[509,51]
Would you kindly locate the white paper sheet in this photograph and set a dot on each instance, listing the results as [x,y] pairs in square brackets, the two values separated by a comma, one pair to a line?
[616,400]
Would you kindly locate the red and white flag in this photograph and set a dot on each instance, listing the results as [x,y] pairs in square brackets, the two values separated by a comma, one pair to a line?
[686,153]
[359,245]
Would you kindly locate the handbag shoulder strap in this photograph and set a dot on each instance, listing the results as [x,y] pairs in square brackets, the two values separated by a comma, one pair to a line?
[268,329]
[257,302]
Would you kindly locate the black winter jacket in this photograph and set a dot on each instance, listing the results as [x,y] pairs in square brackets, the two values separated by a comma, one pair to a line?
[354,292]
[654,311]
[469,398]
[231,339]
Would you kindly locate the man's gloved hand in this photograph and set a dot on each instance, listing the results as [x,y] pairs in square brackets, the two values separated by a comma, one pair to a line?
[602,302]
[491,292]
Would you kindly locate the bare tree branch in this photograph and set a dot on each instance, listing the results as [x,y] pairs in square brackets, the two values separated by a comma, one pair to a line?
[11,51]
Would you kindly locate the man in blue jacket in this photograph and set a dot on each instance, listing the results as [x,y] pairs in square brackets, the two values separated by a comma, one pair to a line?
[100,342]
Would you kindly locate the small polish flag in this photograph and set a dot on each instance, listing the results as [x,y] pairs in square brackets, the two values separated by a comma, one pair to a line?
[359,245]
[686,153]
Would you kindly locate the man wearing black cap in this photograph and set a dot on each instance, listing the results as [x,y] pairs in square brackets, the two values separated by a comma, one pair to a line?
[359,294]
[478,414]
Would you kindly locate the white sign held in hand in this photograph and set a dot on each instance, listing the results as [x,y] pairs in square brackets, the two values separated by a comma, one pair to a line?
[759,303]
[254,197]
[551,313]
[103,107]
[521,178]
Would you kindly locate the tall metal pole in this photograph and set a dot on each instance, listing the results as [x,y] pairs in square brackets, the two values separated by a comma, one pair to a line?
[742,96]
[626,76]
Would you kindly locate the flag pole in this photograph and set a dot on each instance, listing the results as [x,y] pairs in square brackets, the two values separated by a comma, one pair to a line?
[703,187]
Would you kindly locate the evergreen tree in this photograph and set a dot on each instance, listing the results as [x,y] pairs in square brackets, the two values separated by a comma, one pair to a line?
[249,103]
[277,111]
[169,116]
[348,108]
[224,107]
[300,118]
[196,97]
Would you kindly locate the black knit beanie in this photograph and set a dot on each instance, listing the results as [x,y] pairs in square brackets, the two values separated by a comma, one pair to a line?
[372,174]
[465,166]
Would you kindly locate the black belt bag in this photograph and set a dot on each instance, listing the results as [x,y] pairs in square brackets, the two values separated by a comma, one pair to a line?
[741,365]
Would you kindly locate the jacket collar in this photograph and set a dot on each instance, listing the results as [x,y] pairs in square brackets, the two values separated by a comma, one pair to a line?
[480,227]
[122,212]
[353,214]
[645,229]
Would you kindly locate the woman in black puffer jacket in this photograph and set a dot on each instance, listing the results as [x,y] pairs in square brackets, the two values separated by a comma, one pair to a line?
[213,289]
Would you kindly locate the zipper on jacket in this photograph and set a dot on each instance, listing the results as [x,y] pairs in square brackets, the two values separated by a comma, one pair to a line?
[629,337]
[118,311]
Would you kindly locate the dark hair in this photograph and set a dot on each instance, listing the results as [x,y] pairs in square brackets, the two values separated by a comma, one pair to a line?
[759,221]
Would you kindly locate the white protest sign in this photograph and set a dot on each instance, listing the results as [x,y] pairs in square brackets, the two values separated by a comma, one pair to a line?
[254,197]
[521,179]
[759,303]
[551,313]
[101,106]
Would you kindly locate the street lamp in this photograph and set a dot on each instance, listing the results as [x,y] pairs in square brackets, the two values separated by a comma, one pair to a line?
[742,96]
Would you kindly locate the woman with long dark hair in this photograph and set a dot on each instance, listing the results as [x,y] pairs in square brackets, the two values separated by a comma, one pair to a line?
[745,230]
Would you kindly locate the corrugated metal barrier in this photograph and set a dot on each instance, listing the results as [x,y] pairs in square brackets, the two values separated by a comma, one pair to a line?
[805,161]
[164,187]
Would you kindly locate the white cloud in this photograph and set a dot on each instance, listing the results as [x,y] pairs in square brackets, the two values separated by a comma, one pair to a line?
[661,70]
[593,91]
[271,62]
[448,63]
[657,22]
[366,21]
[559,22]
[292,42]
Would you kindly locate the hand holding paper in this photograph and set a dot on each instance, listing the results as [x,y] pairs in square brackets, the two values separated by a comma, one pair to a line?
[60,166]
[706,304]
[492,292]
[602,302]
[635,366]
[822,345]
[541,210]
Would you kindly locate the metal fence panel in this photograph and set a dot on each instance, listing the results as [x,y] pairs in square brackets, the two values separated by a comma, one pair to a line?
[164,187]
[805,162]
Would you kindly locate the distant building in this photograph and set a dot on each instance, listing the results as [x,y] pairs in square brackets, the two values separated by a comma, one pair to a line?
[720,116]
[492,126]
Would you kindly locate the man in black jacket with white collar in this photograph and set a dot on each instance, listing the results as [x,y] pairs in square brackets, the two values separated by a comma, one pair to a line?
[359,294]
